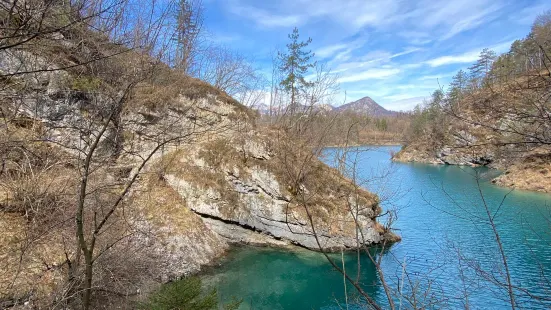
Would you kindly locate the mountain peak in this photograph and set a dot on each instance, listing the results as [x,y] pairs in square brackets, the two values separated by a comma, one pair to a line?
[366,105]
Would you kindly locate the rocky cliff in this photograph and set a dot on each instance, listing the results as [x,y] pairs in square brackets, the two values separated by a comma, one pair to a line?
[220,180]
[528,170]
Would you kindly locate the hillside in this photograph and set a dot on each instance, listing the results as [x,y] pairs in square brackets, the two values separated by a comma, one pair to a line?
[154,172]
[264,109]
[499,118]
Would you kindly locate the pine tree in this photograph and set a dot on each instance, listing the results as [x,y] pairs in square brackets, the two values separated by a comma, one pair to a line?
[457,87]
[189,25]
[294,64]
[483,65]
[542,35]
[504,67]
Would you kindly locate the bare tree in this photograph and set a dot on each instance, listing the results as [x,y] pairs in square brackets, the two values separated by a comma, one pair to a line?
[231,72]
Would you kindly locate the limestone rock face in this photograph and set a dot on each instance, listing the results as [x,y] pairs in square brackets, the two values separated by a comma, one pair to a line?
[462,151]
[249,204]
[524,167]
[220,180]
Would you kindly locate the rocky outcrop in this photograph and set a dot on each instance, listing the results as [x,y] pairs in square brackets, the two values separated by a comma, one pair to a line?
[219,181]
[460,147]
[523,168]
[532,172]
[249,203]
[445,156]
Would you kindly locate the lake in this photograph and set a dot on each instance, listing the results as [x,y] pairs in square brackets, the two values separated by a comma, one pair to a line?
[448,254]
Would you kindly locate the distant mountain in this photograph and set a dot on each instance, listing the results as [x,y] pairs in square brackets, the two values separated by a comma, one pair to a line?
[324,107]
[366,105]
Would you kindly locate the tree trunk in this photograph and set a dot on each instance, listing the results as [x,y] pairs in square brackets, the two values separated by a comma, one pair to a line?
[87,281]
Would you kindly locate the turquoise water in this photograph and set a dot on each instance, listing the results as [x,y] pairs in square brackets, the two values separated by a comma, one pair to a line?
[448,251]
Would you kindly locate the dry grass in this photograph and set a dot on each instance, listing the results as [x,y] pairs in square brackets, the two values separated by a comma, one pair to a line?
[165,208]
[531,173]
[164,88]
[28,264]
[36,190]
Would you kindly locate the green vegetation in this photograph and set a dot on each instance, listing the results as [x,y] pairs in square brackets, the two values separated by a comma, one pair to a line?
[184,294]
[295,63]
[513,86]
[86,84]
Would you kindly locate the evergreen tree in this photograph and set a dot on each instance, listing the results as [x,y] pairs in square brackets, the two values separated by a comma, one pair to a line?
[503,68]
[457,87]
[189,26]
[483,65]
[294,64]
[185,294]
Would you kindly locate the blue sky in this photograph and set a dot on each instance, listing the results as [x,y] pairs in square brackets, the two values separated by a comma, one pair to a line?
[395,51]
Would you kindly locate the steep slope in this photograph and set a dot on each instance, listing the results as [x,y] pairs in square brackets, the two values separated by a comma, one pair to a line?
[504,127]
[219,180]
[499,116]
[365,105]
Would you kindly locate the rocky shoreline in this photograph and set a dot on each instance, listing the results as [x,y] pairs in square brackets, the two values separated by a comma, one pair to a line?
[531,172]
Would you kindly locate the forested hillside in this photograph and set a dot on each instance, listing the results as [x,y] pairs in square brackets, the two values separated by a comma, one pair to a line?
[496,114]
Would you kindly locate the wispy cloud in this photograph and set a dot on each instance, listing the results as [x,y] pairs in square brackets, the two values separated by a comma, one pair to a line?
[353,14]
[469,22]
[330,50]
[467,57]
[527,15]
[369,74]
[341,51]
[403,102]
[463,58]
[406,52]
[390,50]
[265,18]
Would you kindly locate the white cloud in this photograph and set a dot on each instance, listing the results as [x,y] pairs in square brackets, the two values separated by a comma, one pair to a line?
[527,15]
[444,20]
[341,51]
[368,75]
[416,37]
[405,103]
[467,57]
[330,50]
[406,52]
[352,14]
[389,66]
[265,18]
[418,21]
[472,21]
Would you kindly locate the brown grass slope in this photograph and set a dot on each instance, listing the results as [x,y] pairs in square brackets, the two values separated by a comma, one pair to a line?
[155,236]
[504,125]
